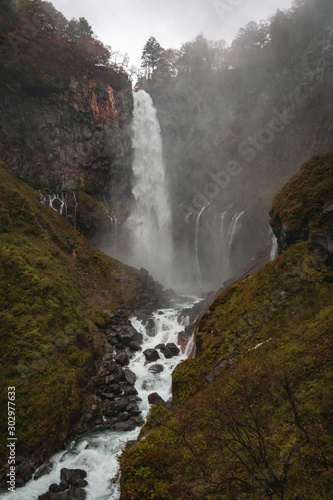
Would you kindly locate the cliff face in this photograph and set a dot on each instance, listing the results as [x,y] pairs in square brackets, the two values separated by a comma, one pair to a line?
[233,136]
[71,135]
[252,412]
[65,119]
[303,211]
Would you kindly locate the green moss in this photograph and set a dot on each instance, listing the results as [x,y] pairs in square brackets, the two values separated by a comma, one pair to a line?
[263,427]
[54,287]
[301,202]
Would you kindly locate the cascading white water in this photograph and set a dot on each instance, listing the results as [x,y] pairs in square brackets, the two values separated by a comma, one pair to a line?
[197,227]
[150,223]
[97,452]
[274,248]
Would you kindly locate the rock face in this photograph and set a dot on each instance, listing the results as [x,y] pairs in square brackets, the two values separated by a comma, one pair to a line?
[64,116]
[74,135]
[205,132]
[306,215]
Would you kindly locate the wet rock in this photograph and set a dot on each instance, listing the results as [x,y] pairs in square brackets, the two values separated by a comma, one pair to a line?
[74,477]
[122,358]
[130,377]
[111,379]
[50,496]
[166,351]
[64,485]
[156,368]
[151,355]
[159,346]
[113,367]
[129,425]
[183,339]
[173,348]
[129,334]
[73,494]
[135,346]
[55,488]
[70,488]
[151,328]
[130,391]
[155,399]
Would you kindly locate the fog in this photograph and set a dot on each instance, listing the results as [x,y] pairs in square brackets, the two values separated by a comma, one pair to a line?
[127,24]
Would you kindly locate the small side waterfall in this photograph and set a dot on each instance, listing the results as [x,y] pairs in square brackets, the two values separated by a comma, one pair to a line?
[216,246]
[196,244]
[274,248]
[149,224]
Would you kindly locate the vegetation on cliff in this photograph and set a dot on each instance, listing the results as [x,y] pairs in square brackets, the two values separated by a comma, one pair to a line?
[55,291]
[32,28]
[302,203]
[252,412]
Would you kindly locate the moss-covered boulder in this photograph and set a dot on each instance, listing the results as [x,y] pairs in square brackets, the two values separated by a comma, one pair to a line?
[303,210]
[57,292]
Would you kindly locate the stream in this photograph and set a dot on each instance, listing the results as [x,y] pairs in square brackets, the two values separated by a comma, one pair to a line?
[97,452]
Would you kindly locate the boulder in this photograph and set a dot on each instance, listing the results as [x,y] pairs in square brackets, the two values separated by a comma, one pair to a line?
[151,328]
[155,399]
[55,488]
[156,368]
[74,477]
[130,377]
[129,425]
[51,496]
[151,355]
[135,346]
[122,358]
[173,348]
[166,351]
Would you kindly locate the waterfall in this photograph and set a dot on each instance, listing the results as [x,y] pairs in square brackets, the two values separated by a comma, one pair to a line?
[149,224]
[274,248]
[75,208]
[114,228]
[196,244]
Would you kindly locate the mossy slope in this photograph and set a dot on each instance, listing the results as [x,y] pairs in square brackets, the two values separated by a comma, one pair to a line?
[55,287]
[252,413]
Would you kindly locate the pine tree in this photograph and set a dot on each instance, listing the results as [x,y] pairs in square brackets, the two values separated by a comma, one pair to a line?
[151,55]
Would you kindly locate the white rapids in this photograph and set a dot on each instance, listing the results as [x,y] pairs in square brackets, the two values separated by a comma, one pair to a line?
[98,452]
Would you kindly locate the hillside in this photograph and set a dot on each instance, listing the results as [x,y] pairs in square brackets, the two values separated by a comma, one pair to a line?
[252,412]
[57,295]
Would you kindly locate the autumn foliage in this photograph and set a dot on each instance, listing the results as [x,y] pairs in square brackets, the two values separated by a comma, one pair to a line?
[39,42]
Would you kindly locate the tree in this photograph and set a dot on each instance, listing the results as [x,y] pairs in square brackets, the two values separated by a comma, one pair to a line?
[151,56]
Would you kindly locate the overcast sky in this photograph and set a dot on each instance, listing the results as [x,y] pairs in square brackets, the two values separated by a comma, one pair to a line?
[126,25]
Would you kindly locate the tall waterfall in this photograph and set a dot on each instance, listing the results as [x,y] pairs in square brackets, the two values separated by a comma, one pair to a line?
[149,223]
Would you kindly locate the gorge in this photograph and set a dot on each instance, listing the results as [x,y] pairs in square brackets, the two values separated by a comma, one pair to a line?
[166,262]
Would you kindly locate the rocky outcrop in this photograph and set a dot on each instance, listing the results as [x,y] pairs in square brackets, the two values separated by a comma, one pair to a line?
[72,482]
[307,214]
[73,136]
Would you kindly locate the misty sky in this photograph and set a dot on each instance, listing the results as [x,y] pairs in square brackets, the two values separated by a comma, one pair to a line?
[126,25]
